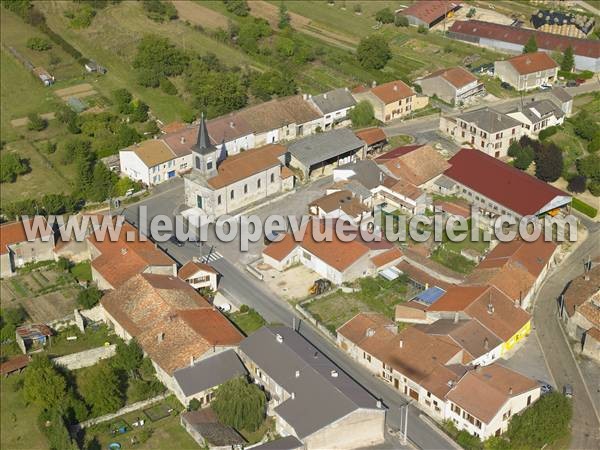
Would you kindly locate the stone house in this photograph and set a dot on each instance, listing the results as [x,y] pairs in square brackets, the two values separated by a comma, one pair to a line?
[16,249]
[334,106]
[455,85]
[390,101]
[527,71]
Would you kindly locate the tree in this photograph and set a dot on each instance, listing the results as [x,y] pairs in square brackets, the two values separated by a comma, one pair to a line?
[35,122]
[568,60]
[384,15]
[240,404]
[589,166]
[237,7]
[594,144]
[546,422]
[128,357]
[39,44]
[530,45]
[102,183]
[577,184]
[267,84]
[549,163]
[401,21]
[63,264]
[584,126]
[373,52]
[122,99]
[594,187]
[101,389]
[158,58]
[194,405]
[11,166]
[89,297]
[524,158]
[284,17]
[362,115]
[140,111]
[43,384]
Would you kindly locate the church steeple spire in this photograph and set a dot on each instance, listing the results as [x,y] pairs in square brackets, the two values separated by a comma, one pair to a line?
[203,144]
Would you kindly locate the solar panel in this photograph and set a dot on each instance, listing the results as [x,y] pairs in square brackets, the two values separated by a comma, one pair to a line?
[430,295]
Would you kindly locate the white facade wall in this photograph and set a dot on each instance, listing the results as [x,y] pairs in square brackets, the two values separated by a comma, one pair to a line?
[523,82]
[237,145]
[532,130]
[133,167]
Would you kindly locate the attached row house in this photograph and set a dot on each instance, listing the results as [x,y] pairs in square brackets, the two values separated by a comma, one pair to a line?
[390,101]
[454,85]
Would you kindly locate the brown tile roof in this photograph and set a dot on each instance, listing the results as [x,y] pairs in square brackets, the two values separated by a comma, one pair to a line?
[531,256]
[418,166]
[546,41]
[278,113]
[180,142]
[457,298]
[430,10]
[245,164]
[228,128]
[280,249]
[532,62]
[120,260]
[343,200]
[371,136]
[510,279]
[173,127]
[392,92]
[594,333]
[152,152]
[190,268]
[456,76]
[387,257]
[580,290]
[483,391]
[14,232]
[455,207]
[420,276]
[395,153]
[161,312]
[355,329]
[591,311]
[336,253]
[403,187]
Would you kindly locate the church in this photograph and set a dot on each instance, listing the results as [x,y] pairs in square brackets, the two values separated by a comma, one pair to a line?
[219,184]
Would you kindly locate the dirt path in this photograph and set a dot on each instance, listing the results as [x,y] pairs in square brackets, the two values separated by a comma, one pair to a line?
[200,15]
[70,91]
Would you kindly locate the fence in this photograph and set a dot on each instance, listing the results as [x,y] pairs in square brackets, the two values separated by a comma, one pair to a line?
[86,358]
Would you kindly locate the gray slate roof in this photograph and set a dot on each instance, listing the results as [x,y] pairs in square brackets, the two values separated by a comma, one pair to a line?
[489,120]
[543,107]
[367,173]
[333,101]
[444,182]
[286,443]
[323,146]
[209,372]
[319,398]
[560,94]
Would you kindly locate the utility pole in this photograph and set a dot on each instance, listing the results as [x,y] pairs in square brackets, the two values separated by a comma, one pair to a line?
[404,423]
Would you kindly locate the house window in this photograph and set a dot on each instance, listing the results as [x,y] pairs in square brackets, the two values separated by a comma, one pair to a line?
[197,162]
[245,189]
[306,256]
[218,200]
[258,183]
[528,400]
[209,165]
[231,194]
[272,178]
[367,356]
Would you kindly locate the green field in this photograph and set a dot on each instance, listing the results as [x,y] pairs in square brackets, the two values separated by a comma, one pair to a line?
[248,321]
[19,424]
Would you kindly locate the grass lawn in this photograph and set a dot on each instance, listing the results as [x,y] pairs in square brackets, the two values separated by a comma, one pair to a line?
[82,271]
[255,436]
[376,294]
[248,322]
[492,85]
[92,338]
[399,141]
[452,260]
[164,433]
[478,244]
[18,420]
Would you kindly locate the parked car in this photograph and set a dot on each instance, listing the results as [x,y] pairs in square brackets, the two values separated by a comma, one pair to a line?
[173,239]
[506,86]
[571,83]
[225,307]
[579,81]
[545,388]
[545,87]
[568,391]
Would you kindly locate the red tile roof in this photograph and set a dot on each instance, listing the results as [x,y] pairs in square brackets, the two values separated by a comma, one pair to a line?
[371,136]
[190,268]
[532,62]
[418,166]
[392,92]
[395,153]
[456,76]
[127,256]
[430,10]
[387,257]
[501,182]
[14,232]
[520,36]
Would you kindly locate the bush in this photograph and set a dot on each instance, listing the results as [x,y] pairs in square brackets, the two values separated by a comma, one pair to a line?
[11,166]
[384,15]
[39,44]
[194,404]
[422,29]
[401,21]
[373,52]
[168,87]
[584,208]
[471,12]
[36,123]
[237,7]
[89,297]
[594,187]
[244,308]
[547,132]
[362,115]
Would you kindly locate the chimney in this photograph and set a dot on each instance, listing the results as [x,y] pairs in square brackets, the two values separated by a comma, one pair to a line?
[297,374]
[334,373]
[486,343]
[325,95]
[231,125]
[401,343]
[395,87]
[293,395]
[182,139]
[316,355]
[456,317]
[279,338]
[160,337]
[304,96]
[373,84]
[379,404]
[510,391]
[490,309]
[191,361]
[124,251]
[370,332]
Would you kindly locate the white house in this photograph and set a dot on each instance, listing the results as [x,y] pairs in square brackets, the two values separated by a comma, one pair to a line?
[334,106]
[537,116]
[527,71]
[199,275]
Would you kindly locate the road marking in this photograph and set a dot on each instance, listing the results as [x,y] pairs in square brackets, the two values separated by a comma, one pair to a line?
[214,256]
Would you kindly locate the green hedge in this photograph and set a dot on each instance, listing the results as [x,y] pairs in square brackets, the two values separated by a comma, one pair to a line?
[585,75]
[584,208]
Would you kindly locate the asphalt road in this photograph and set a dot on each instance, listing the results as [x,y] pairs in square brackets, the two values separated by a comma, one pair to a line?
[563,367]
